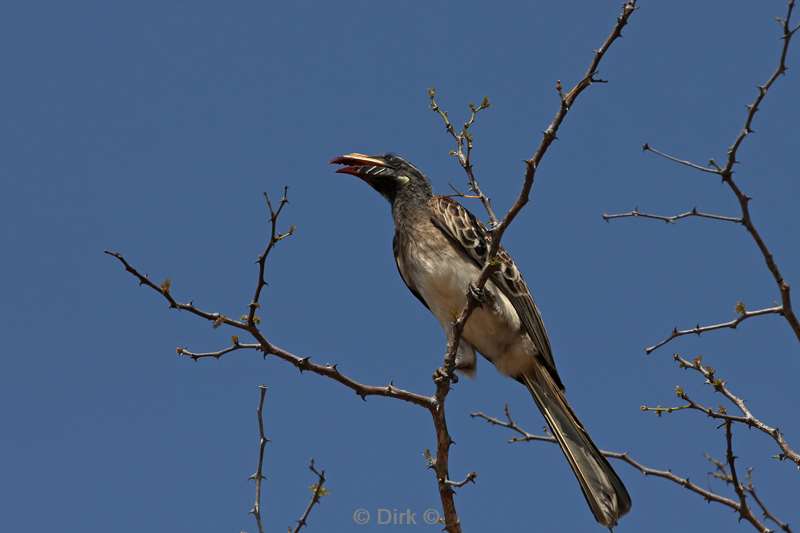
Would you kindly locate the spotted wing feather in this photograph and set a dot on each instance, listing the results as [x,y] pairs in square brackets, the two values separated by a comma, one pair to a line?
[471,235]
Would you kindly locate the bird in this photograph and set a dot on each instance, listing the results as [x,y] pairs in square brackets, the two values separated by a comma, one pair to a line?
[440,248]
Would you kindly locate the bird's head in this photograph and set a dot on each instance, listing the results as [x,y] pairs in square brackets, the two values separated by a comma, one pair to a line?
[389,174]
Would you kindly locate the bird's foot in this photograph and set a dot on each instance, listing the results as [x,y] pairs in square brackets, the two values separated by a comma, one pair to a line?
[440,374]
[478,294]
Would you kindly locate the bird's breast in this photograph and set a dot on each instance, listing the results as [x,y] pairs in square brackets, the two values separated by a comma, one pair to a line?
[440,272]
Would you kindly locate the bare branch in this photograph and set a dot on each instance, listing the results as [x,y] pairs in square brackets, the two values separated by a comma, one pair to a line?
[445,375]
[708,495]
[621,456]
[745,417]
[216,319]
[318,491]
[672,218]
[744,509]
[262,442]
[744,200]
[275,238]
[726,173]
[219,353]
[764,511]
[471,477]
[711,170]
[463,151]
[531,166]
[301,363]
[731,324]
[720,386]
[550,133]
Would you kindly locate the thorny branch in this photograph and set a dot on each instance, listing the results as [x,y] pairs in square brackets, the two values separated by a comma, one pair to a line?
[671,218]
[463,151]
[318,491]
[219,353]
[262,442]
[267,348]
[275,238]
[744,314]
[251,324]
[726,173]
[445,375]
[720,386]
[744,509]
[531,166]
[750,488]
[708,495]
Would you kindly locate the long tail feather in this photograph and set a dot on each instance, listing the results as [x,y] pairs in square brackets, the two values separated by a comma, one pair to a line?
[607,497]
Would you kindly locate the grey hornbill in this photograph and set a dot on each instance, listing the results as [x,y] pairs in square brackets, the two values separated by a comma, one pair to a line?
[440,248]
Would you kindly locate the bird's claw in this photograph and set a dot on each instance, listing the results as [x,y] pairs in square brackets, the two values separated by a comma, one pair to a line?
[478,294]
[440,374]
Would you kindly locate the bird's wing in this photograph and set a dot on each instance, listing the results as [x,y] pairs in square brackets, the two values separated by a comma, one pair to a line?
[471,236]
[414,291]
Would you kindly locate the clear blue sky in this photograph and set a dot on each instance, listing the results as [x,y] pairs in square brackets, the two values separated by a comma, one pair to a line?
[153,128]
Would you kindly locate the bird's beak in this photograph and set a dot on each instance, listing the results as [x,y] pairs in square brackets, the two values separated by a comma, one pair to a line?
[357,164]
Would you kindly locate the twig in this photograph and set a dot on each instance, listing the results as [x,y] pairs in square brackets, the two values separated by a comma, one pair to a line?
[647,148]
[731,324]
[744,509]
[720,386]
[216,319]
[301,363]
[463,151]
[471,477]
[764,511]
[727,172]
[275,238]
[262,442]
[219,353]
[621,456]
[625,457]
[444,376]
[671,219]
[318,491]
[531,166]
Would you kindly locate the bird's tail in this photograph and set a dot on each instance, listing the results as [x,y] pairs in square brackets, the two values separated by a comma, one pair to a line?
[607,497]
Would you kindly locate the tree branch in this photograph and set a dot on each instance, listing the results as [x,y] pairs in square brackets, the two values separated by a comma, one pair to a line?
[731,324]
[219,353]
[711,170]
[708,495]
[727,172]
[301,363]
[216,319]
[747,418]
[318,491]
[764,511]
[445,375]
[670,219]
[744,509]
[531,166]
[262,442]
[463,151]
[275,238]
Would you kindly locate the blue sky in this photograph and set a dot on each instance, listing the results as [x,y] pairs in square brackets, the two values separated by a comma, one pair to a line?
[152,128]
